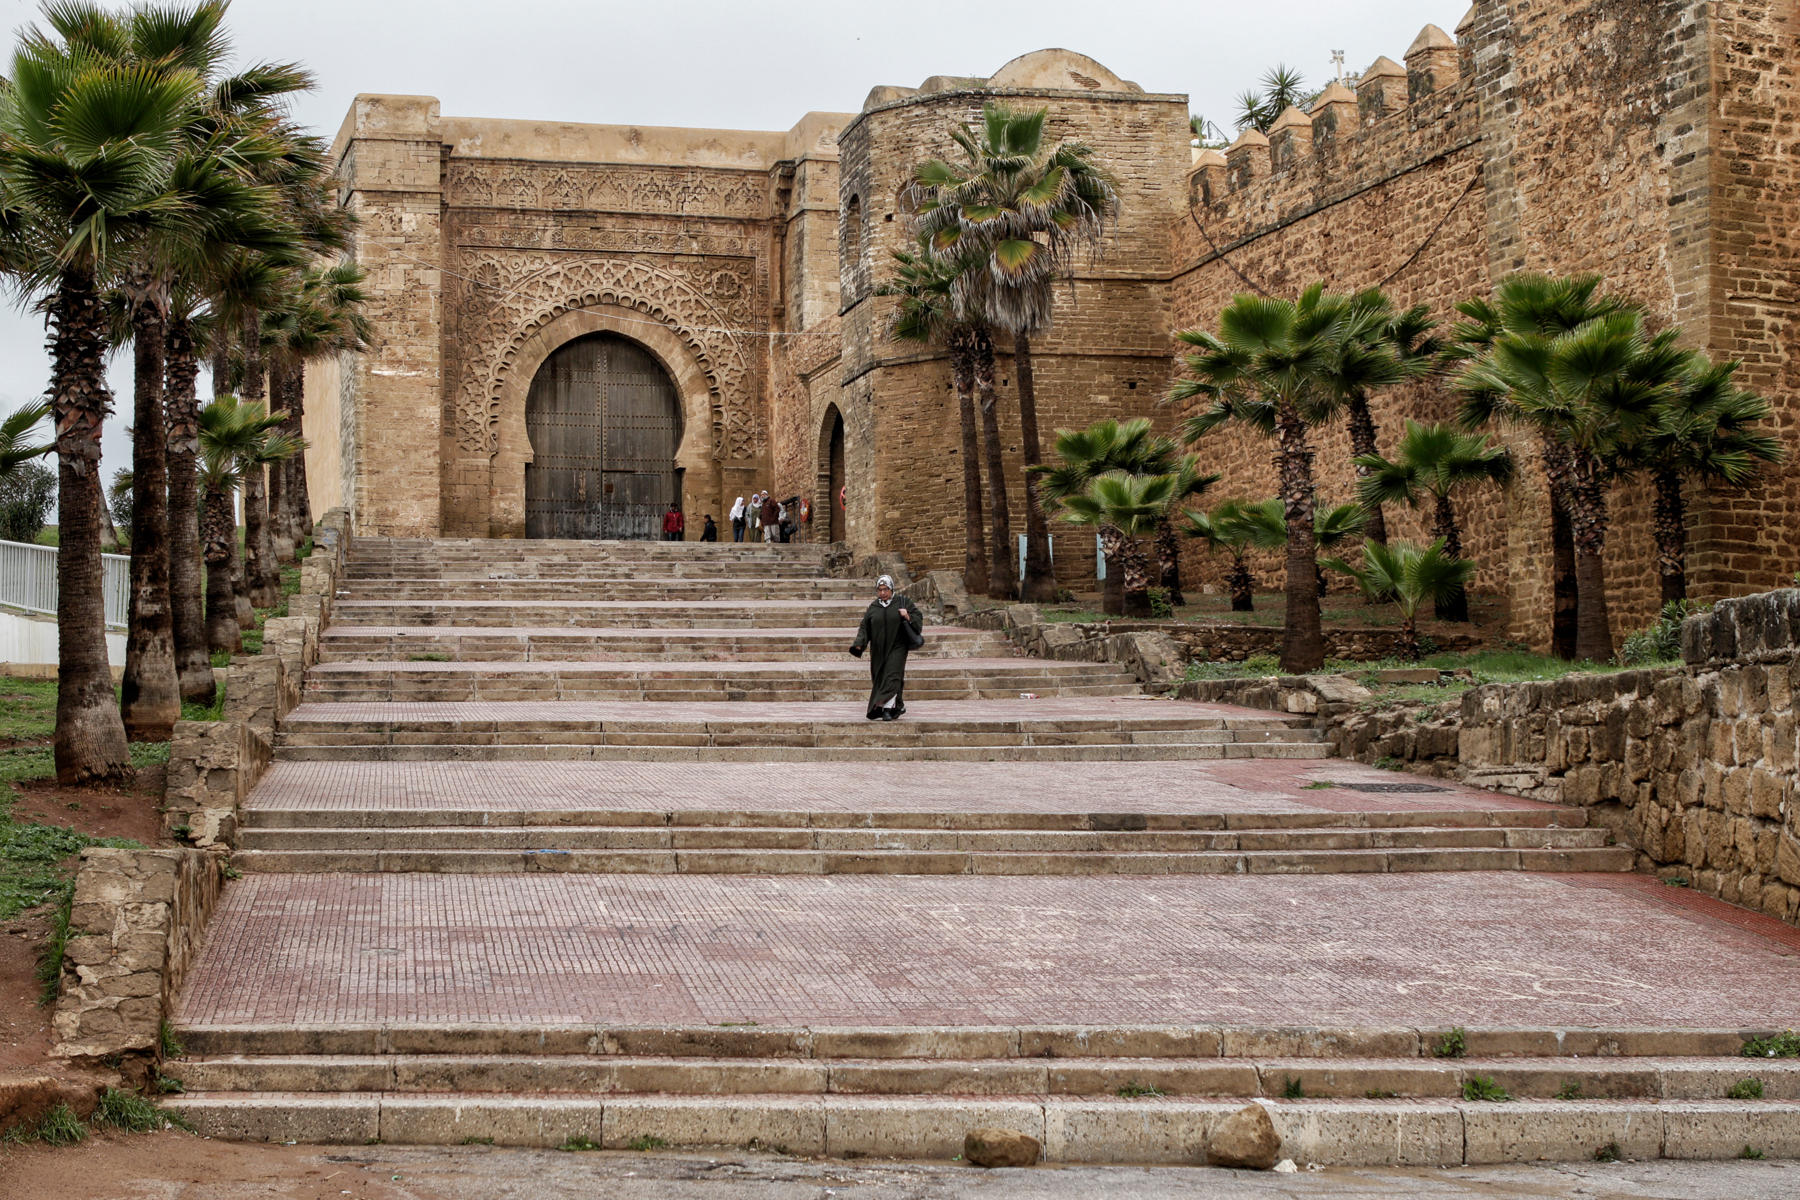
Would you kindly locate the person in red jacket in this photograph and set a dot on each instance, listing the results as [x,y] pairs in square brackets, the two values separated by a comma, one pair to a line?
[673,523]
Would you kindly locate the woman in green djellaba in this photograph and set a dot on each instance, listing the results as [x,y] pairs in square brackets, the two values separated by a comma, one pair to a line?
[890,629]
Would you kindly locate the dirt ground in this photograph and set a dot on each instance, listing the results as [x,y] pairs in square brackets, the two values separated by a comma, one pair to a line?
[176,1166]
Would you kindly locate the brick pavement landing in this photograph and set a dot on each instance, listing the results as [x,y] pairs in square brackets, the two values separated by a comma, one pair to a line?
[1478,949]
[1260,787]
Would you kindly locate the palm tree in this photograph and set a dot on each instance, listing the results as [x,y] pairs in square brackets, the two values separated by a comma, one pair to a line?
[1531,305]
[324,318]
[1016,210]
[1332,527]
[235,439]
[1590,392]
[926,314]
[1390,348]
[1701,431]
[89,147]
[1266,369]
[1282,88]
[1229,529]
[1434,461]
[1408,577]
[1124,508]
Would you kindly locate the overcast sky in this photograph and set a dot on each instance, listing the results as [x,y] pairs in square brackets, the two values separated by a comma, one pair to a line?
[743,64]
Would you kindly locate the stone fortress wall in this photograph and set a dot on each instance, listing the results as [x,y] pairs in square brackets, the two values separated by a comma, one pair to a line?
[1648,142]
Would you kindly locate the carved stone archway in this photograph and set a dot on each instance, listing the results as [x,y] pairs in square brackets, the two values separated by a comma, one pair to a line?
[695,457]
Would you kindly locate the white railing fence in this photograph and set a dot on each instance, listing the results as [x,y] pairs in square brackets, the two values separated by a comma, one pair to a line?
[28,580]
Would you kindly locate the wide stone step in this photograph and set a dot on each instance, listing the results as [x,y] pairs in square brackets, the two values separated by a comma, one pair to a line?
[924,862]
[553,752]
[1539,1078]
[1073,1129]
[360,643]
[737,837]
[696,614]
[726,589]
[843,680]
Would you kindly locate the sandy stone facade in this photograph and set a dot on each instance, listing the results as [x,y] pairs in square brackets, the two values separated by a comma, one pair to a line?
[1648,142]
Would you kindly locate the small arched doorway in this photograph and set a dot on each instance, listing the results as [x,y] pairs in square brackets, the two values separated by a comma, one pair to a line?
[831,475]
[604,423]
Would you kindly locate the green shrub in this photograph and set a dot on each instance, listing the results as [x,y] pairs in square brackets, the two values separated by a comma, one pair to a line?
[1160,608]
[1483,1087]
[1785,1044]
[1661,642]
[1745,1089]
[1454,1044]
[132,1113]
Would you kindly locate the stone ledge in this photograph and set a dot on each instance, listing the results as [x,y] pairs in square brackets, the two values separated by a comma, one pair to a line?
[134,926]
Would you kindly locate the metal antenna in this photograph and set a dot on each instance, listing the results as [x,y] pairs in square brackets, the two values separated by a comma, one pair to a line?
[1337,60]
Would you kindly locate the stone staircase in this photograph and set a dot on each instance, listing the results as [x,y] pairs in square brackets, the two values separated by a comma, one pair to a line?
[561,846]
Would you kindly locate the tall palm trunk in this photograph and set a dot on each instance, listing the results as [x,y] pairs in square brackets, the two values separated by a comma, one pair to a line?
[1670,523]
[1362,441]
[299,496]
[90,735]
[1241,584]
[1454,605]
[1135,577]
[1587,524]
[1302,637]
[281,500]
[975,557]
[1168,560]
[193,666]
[258,554]
[1409,637]
[1039,584]
[149,695]
[240,584]
[1003,579]
[219,537]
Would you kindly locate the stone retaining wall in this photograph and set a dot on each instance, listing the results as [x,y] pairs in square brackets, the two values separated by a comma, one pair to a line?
[135,924]
[1225,642]
[214,764]
[1694,765]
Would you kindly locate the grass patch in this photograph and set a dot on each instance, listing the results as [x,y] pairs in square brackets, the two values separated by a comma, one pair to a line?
[1454,1044]
[1133,1090]
[428,658]
[128,1111]
[1318,785]
[1257,666]
[59,1127]
[1482,1087]
[168,1042]
[205,712]
[576,1142]
[1292,1088]
[647,1142]
[1379,1094]
[472,1141]
[1750,1152]
[1745,1089]
[1569,1091]
[1785,1044]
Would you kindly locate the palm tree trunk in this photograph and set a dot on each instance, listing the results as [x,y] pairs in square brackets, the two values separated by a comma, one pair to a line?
[1455,605]
[1302,638]
[281,517]
[1168,560]
[1112,588]
[975,556]
[1135,572]
[1670,523]
[259,556]
[252,390]
[1565,611]
[220,540]
[1588,522]
[221,361]
[193,665]
[1409,636]
[299,496]
[240,583]
[1242,585]
[1002,577]
[150,694]
[1362,441]
[90,735]
[1039,586]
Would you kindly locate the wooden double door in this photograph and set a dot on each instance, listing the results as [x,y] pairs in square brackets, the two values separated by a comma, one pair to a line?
[604,423]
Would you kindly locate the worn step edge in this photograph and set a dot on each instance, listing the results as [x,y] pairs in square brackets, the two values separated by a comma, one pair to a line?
[1523,1078]
[1323,1132]
[966,1042]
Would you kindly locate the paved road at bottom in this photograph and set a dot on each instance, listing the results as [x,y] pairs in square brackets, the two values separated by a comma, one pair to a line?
[174,1166]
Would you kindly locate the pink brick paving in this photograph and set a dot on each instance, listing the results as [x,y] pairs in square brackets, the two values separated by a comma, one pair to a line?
[1476,949]
[1246,786]
[961,712]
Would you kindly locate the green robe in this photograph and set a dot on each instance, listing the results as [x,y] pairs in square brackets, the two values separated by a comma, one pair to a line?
[887,647]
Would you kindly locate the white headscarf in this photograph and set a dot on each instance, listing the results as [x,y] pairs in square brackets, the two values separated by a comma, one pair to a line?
[886,581]
[737,509]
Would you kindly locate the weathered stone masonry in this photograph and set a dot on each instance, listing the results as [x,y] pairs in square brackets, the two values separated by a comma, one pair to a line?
[1649,142]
